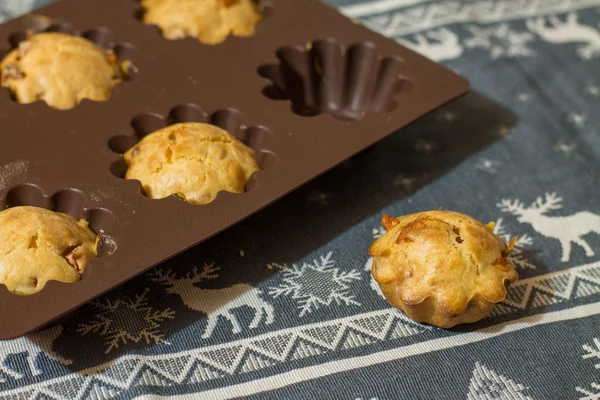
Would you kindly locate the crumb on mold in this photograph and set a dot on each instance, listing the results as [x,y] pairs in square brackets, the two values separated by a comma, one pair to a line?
[13,171]
[38,22]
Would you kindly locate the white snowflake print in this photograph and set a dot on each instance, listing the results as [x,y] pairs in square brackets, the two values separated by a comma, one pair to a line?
[425,146]
[124,321]
[405,181]
[577,119]
[501,41]
[446,116]
[487,165]
[502,131]
[592,351]
[588,394]
[316,284]
[593,90]
[319,197]
[516,256]
[566,148]
[524,97]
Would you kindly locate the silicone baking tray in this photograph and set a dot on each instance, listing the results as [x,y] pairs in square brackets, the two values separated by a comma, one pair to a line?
[310,89]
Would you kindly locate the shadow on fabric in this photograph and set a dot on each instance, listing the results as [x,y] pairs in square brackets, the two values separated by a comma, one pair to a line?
[291,228]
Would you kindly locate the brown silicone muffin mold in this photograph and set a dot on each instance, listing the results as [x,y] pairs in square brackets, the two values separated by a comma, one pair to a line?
[218,84]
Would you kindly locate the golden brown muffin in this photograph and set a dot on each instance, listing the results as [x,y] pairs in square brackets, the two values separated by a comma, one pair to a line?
[210,21]
[440,267]
[38,245]
[60,69]
[191,159]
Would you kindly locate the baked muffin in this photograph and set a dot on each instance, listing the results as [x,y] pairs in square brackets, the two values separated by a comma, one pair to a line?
[60,69]
[39,245]
[190,159]
[210,21]
[440,267]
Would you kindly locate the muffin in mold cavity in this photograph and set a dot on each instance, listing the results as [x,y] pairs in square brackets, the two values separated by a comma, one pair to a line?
[58,65]
[49,238]
[209,21]
[326,77]
[192,154]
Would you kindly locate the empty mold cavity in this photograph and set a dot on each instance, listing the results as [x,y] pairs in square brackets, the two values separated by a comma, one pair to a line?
[228,119]
[124,52]
[189,20]
[66,201]
[325,77]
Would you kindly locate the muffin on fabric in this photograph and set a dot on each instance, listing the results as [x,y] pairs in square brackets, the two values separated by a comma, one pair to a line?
[60,69]
[40,245]
[209,21]
[442,268]
[193,160]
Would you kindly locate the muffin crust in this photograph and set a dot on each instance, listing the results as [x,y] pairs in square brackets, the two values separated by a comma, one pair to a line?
[209,21]
[440,267]
[193,160]
[40,245]
[60,69]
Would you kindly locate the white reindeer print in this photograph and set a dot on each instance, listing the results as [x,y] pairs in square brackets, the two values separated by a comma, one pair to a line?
[216,302]
[445,45]
[569,31]
[567,229]
[33,345]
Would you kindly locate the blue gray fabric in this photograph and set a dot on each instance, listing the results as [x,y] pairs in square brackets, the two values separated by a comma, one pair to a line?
[307,321]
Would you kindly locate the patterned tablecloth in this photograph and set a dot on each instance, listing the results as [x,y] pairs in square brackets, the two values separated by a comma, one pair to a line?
[300,317]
